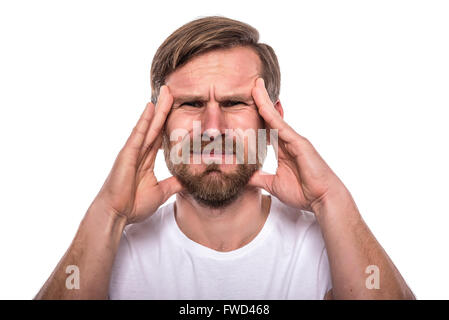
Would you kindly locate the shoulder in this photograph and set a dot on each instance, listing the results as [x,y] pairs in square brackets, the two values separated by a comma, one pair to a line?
[289,214]
[140,243]
[296,225]
[150,228]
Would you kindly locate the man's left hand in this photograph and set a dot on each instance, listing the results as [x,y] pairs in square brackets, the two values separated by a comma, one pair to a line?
[303,179]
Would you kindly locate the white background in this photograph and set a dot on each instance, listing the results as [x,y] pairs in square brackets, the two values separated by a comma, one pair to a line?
[366,81]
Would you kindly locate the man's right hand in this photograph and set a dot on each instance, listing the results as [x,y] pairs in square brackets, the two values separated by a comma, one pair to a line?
[130,193]
[131,189]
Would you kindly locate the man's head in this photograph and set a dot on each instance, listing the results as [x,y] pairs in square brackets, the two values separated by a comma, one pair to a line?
[210,66]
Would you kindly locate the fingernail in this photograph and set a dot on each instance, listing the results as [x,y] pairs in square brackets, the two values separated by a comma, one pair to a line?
[262,81]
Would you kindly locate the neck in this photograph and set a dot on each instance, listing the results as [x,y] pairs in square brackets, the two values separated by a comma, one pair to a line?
[223,229]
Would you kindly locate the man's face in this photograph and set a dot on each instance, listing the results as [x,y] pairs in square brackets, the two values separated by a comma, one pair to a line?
[213,90]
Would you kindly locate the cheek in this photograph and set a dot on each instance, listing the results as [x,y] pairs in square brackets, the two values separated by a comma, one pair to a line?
[244,119]
[179,121]
[248,121]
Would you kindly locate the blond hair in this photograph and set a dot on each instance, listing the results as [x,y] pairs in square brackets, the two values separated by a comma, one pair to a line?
[207,34]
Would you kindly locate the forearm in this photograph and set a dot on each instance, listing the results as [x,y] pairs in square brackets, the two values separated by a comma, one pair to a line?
[351,248]
[92,251]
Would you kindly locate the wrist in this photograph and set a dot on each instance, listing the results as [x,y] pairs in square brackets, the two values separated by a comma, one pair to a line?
[335,204]
[101,217]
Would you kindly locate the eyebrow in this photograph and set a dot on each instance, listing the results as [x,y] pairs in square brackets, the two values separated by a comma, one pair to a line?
[199,98]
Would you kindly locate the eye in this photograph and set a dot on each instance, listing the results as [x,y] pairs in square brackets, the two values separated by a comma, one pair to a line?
[195,104]
[227,104]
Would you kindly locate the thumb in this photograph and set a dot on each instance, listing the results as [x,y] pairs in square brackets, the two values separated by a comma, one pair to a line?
[170,186]
[262,179]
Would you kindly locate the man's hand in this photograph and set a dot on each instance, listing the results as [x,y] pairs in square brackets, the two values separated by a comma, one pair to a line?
[131,189]
[130,194]
[302,179]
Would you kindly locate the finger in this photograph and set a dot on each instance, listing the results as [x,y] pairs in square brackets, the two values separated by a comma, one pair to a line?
[265,105]
[268,112]
[135,140]
[149,157]
[163,107]
[170,186]
[261,179]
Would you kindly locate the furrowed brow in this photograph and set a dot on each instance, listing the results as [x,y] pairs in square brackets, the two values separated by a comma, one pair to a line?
[235,97]
[187,98]
[191,98]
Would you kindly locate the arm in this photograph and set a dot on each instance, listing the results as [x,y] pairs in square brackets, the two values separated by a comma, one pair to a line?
[351,248]
[92,251]
[130,194]
[303,180]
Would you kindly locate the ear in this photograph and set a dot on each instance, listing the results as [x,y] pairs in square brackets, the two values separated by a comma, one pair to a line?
[278,107]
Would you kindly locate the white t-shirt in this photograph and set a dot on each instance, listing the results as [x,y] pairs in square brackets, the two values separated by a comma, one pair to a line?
[286,260]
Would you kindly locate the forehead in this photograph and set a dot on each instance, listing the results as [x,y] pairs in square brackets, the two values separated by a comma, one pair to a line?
[226,70]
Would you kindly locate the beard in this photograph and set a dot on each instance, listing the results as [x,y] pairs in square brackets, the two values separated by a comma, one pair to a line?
[211,187]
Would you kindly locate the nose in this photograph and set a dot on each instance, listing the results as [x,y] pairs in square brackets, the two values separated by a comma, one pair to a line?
[213,119]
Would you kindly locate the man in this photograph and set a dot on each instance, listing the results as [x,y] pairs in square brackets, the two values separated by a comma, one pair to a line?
[222,238]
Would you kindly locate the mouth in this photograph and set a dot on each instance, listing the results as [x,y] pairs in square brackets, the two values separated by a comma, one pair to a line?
[212,172]
[213,155]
